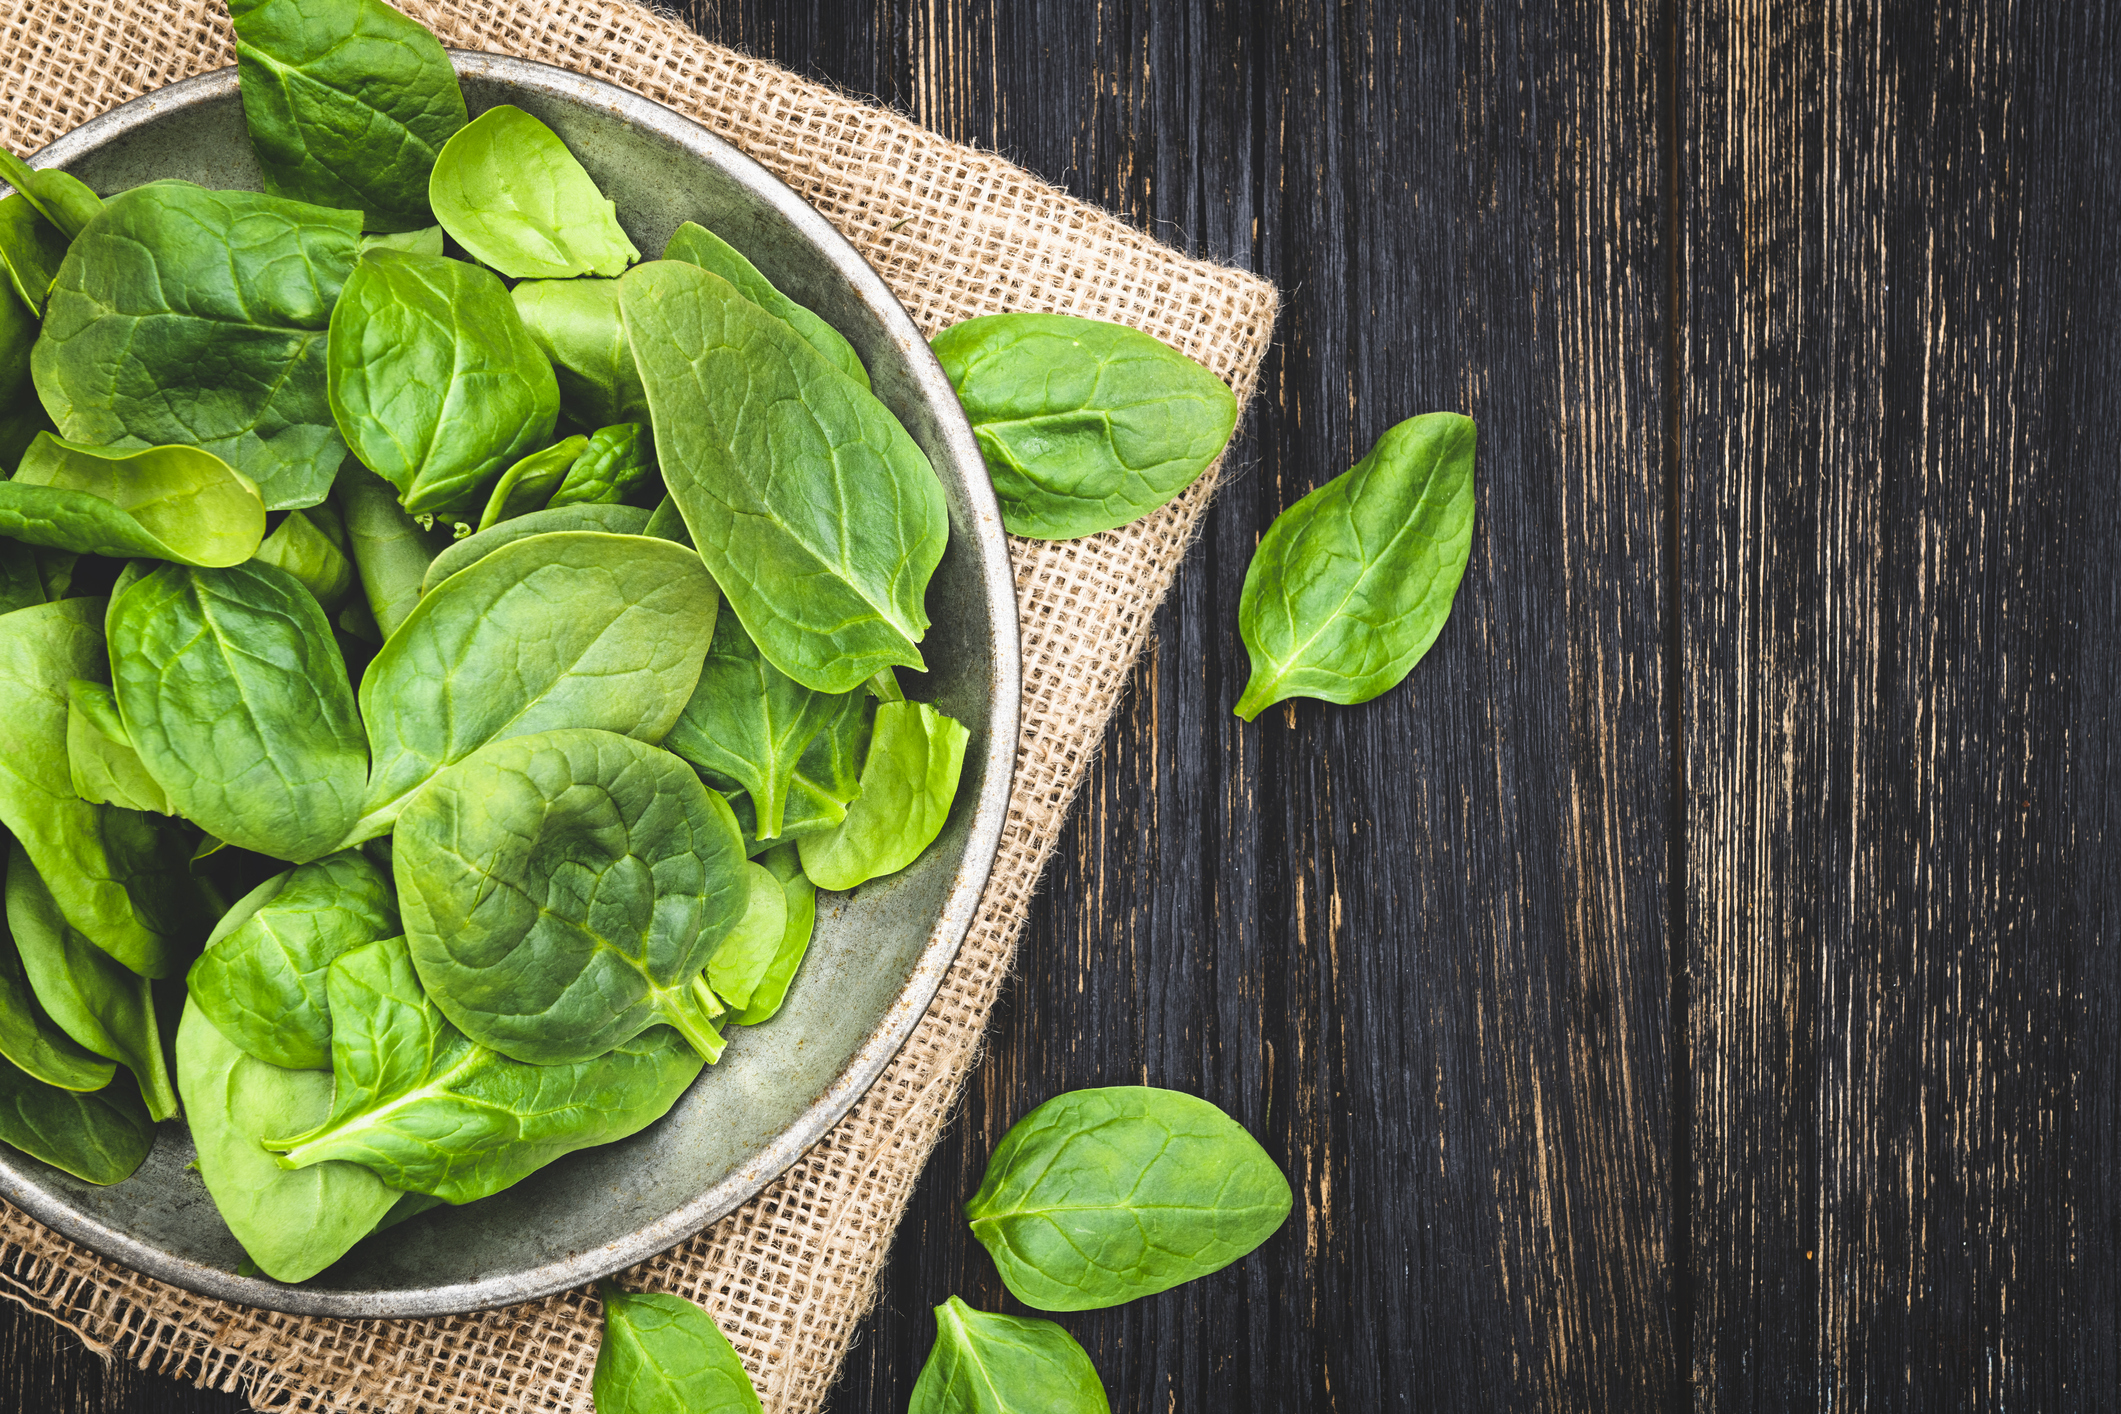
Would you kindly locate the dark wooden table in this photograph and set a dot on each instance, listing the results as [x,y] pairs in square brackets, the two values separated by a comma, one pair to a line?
[1698,986]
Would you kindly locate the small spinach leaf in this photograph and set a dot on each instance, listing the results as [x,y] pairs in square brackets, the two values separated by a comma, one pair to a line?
[576,323]
[529,484]
[31,249]
[908,781]
[425,241]
[815,512]
[696,245]
[100,759]
[237,699]
[315,560]
[1084,425]
[618,460]
[348,102]
[740,962]
[988,1364]
[609,520]
[433,1112]
[59,197]
[195,317]
[1351,585]
[98,1138]
[662,1354]
[799,899]
[391,552]
[435,383]
[1100,1196]
[508,190]
[162,503]
[33,1041]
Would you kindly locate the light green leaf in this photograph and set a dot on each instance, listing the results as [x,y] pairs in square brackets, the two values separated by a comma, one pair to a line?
[104,768]
[33,1041]
[988,1364]
[316,561]
[390,551]
[161,503]
[529,484]
[576,323]
[508,190]
[662,1354]
[799,899]
[607,519]
[740,963]
[31,249]
[425,241]
[696,245]
[59,197]
[908,781]
[618,460]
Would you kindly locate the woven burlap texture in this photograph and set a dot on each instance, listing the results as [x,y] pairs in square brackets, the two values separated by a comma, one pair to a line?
[956,232]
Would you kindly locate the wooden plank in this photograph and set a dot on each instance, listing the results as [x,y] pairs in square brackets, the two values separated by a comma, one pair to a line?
[1885,254]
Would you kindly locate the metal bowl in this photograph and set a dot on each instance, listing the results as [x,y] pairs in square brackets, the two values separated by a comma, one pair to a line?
[879,953]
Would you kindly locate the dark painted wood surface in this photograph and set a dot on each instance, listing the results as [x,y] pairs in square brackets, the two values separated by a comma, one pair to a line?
[1698,984]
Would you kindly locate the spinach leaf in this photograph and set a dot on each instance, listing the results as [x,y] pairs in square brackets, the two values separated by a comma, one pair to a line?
[567,630]
[1084,425]
[988,1364]
[198,317]
[908,781]
[826,779]
[293,1225]
[104,865]
[812,508]
[1099,1196]
[18,339]
[576,323]
[1351,585]
[662,1354]
[610,520]
[562,892]
[431,1112]
[740,962]
[31,249]
[163,503]
[425,241]
[101,762]
[33,1041]
[391,552]
[434,382]
[529,484]
[317,562]
[799,901]
[748,723]
[60,198]
[98,1138]
[88,994]
[261,978]
[237,699]
[508,190]
[348,102]
[696,245]
[666,523]
[618,460]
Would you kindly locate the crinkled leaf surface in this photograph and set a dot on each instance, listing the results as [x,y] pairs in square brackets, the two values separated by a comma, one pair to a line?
[348,102]
[606,519]
[740,963]
[99,1138]
[100,759]
[815,512]
[1100,1196]
[390,551]
[696,245]
[435,383]
[237,699]
[508,190]
[799,900]
[662,1354]
[187,316]
[988,1364]
[31,249]
[431,1111]
[562,892]
[161,503]
[576,323]
[1351,585]
[529,484]
[909,779]
[619,460]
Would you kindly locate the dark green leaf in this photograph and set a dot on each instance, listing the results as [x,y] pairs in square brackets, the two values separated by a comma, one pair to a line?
[618,460]
[161,503]
[988,1364]
[18,339]
[662,1354]
[31,249]
[576,323]
[696,245]
[607,519]
[33,1041]
[909,779]
[508,190]
[98,1138]
[529,484]
[64,200]
[101,761]
[799,898]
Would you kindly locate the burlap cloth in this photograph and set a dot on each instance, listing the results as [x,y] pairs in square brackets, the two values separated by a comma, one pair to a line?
[956,232]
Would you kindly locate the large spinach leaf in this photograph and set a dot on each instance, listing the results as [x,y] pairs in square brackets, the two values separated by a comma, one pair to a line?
[163,503]
[662,1354]
[567,630]
[1084,425]
[237,700]
[199,317]
[293,1225]
[696,245]
[812,508]
[100,759]
[529,484]
[1099,1196]
[562,891]
[909,779]
[391,552]
[799,902]
[348,102]
[261,978]
[33,1041]
[739,964]
[607,519]
[618,461]
[576,323]
[99,1138]
[59,197]
[1351,585]
[31,249]
[988,1364]
[435,383]
[433,1112]
[508,190]
[312,556]
[88,995]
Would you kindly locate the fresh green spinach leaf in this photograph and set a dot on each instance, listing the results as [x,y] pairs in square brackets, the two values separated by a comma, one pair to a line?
[430,1111]
[31,249]
[607,519]
[696,245]
[261,978]
[98,1138]
[1351,585]
[662,1354]
[434,382]
[33,1041]
[195,317]
[908,781]
[576,323]
[618,460]
[666,523]
[237,699]
[529,484]
[815,512]
[316,561]
[18,340]
[390,551]
[988,1364]
[562,892]
[349,103]
[1100,1196]
[1085,426]
[161,503]
[425,241]
[508,190]
[104,767]
[739,964]
[799,901]
[59,197]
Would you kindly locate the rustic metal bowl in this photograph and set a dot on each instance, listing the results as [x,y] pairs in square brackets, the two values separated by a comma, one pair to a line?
[879,953]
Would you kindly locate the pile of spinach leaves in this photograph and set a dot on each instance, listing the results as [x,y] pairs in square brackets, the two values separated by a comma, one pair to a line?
[429,702]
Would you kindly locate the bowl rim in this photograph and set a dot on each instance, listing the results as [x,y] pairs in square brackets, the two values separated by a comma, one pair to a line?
[983,836]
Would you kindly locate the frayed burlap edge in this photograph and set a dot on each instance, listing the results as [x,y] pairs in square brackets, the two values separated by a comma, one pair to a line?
[956,232]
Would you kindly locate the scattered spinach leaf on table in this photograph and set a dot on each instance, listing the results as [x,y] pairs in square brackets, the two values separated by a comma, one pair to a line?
[696,245]
[983,1363]
[100,759]
[619,460]
[507,189]
[529,484]
[172,503]
[909,778]
[662,1354]
[576,323]
[596,517]
[98,1137]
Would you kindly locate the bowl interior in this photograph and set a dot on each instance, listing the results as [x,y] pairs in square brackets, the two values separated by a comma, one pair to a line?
[878,954]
